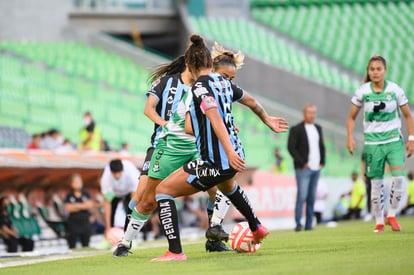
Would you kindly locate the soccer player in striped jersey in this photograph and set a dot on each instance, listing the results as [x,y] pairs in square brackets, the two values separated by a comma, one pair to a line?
[221,152]
[169,81]
[166,157]
[382,101]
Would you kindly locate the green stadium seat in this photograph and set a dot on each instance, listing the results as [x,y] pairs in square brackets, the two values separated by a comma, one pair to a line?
[335,29]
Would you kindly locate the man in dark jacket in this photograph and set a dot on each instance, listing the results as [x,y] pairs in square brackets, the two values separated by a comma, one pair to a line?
[306,146]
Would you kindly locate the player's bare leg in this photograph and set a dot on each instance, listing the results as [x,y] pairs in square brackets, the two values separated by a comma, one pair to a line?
[140,214]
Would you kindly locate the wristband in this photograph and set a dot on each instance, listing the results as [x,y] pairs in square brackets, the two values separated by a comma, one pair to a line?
[410,138]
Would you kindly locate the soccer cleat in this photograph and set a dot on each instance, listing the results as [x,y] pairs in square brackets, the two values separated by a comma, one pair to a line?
[169,256]
[260,233]
[379,228]
[216,233]
[216,246]
[392,221]
[122,250]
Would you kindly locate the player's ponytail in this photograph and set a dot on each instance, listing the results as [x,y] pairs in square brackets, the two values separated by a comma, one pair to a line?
[197,56]
[175,66]
[374,58]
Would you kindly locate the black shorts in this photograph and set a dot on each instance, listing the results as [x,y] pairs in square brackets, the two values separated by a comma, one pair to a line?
[147,161]
[203,176]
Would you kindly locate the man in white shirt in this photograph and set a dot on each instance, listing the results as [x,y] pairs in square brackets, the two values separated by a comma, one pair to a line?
[119,180]
[306,146]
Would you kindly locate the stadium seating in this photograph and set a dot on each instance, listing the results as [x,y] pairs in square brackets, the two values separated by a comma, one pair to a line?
[350,34]
[37,97]
[257,41]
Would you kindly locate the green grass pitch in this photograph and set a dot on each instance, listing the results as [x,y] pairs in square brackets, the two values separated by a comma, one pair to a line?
[350,248]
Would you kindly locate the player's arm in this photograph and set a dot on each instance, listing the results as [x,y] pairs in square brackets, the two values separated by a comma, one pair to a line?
[350,125]
[222,134]
[276,124]
[151,112]
[405,109]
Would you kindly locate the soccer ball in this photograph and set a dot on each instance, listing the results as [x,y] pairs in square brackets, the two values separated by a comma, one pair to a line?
[114,235]
[241,239]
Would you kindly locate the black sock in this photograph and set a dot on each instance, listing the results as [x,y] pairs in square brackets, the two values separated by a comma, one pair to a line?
[169,224]
[209,215]
[240,200]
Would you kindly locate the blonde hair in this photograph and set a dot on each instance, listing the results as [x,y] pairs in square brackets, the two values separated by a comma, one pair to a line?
[218,50]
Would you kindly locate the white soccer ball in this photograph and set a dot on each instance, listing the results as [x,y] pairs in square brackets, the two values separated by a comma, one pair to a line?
[241,239]
[114,235]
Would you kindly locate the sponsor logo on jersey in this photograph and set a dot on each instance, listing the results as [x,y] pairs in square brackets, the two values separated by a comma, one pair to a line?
[156,167]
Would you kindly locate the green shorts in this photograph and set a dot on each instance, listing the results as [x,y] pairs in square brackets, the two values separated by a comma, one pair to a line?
[165,161]
[375,157]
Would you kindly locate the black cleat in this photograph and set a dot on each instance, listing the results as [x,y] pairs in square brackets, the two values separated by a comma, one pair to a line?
[121,250]
[216,233]
[216,246]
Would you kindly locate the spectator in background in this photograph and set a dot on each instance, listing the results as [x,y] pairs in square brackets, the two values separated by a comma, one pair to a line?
[90,136]
[410,192]
[9,233]
[78,204]
[342,206]
[125,149]
[66,147]
[43,137]
[35,143]
[119,180]
[306,146]
[52,140]
[280,163]
[358,199]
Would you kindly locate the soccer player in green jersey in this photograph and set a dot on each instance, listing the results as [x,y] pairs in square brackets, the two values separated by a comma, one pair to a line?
[383,102]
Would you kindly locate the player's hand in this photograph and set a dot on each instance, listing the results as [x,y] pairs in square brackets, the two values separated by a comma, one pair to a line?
[236,162]
[277,124]
[351,145]
[410,148]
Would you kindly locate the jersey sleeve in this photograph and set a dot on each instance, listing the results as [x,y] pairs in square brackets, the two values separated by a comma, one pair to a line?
[203,96]
[401,97]
[106,187]
[238,92]
[189,102]
[357,98]
[157,88]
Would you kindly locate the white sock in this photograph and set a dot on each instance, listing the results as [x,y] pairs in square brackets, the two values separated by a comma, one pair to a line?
[377,199]
[135,225]
[221,206]
[397,191]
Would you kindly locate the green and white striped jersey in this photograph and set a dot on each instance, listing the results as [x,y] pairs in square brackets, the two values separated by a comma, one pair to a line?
[176,138]
[382,122]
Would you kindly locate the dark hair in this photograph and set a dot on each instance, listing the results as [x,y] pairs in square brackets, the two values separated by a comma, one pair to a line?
[374,58]
[410,176]
[197,56]
[116,166]
[226,59]
[175,66]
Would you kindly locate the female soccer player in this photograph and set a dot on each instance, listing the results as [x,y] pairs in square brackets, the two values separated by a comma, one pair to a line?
[172,81]
[382,101]
[176,148]
[221,152]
